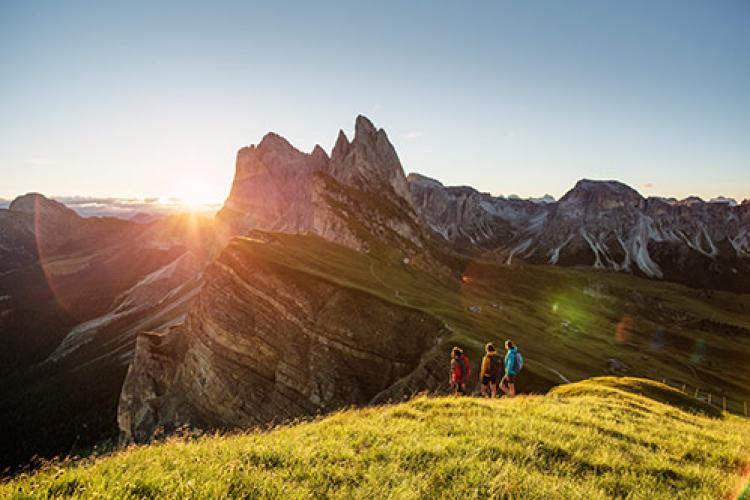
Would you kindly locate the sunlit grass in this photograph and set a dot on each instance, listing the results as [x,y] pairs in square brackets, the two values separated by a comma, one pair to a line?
[596,439]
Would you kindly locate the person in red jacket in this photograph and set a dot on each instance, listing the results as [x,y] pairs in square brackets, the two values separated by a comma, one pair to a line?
[460,370]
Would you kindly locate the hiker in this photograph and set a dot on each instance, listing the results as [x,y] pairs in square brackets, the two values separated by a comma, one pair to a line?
[460,370]
[513,365]
[490,372]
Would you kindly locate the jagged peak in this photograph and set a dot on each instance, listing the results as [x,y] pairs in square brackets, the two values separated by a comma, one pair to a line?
[341,140]
[363,127]
[319,152]
[341,148]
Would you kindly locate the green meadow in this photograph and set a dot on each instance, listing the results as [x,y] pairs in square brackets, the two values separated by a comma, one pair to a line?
[600,438]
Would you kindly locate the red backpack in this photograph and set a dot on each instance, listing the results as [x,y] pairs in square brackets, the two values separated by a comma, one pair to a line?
[461,368]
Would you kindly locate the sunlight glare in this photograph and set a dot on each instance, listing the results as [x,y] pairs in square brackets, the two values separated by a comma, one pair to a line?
[195,195]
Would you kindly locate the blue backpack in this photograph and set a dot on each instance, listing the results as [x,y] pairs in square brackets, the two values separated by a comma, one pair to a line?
[517,362]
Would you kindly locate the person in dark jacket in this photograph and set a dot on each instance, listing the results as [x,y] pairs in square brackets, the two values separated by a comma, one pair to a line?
[460,370]
[513,365]
[492,368]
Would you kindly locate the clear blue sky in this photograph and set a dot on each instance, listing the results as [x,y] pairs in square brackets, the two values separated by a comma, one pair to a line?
[142,98]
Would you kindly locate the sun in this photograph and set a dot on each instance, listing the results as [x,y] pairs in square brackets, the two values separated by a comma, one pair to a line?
[195,194]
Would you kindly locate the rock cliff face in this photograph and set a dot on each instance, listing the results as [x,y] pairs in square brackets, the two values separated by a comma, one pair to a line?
[358,197]
[264,343]
[604,224]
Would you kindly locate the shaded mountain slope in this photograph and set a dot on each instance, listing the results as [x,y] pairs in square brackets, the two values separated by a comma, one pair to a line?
[270,295]
[69,318]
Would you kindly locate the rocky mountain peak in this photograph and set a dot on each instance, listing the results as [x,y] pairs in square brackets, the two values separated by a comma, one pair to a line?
[369,161]
[341,148]
[274,142]
[602,194]
[319,155]
[363,128]
[274,155]
[279,188]
[35,203]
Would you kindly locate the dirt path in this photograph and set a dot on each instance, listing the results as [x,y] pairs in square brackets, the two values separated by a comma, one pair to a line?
[562,377]
[396,293]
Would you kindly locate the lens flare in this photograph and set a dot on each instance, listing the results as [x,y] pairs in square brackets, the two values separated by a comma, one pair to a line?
[743,490]
[658,339]
[622,330]
[699,352]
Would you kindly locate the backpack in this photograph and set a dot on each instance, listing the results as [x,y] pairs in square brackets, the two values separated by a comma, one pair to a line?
[462,367]
[496,366]
[517,362]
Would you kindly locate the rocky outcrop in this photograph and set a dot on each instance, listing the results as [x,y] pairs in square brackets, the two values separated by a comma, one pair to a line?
[358,197]
[266,343]
[604,224]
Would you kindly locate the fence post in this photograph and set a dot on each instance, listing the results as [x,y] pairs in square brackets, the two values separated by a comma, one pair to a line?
[724,403]
[684,388]
[745,404]
[696,393]
[664,381]
[709,398]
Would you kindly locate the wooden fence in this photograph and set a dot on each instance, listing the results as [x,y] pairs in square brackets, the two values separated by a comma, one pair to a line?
[719,401]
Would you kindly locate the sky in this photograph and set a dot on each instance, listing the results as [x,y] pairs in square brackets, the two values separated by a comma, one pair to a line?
[153,99]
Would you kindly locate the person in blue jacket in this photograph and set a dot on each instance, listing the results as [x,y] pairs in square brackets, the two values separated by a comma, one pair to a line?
[513,365]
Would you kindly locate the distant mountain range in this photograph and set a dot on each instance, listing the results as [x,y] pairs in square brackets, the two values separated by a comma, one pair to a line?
[124,208]
[76,293]
[605,224]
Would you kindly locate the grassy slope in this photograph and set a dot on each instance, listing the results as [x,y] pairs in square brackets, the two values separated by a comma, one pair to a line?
[598,438]
[566,319]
